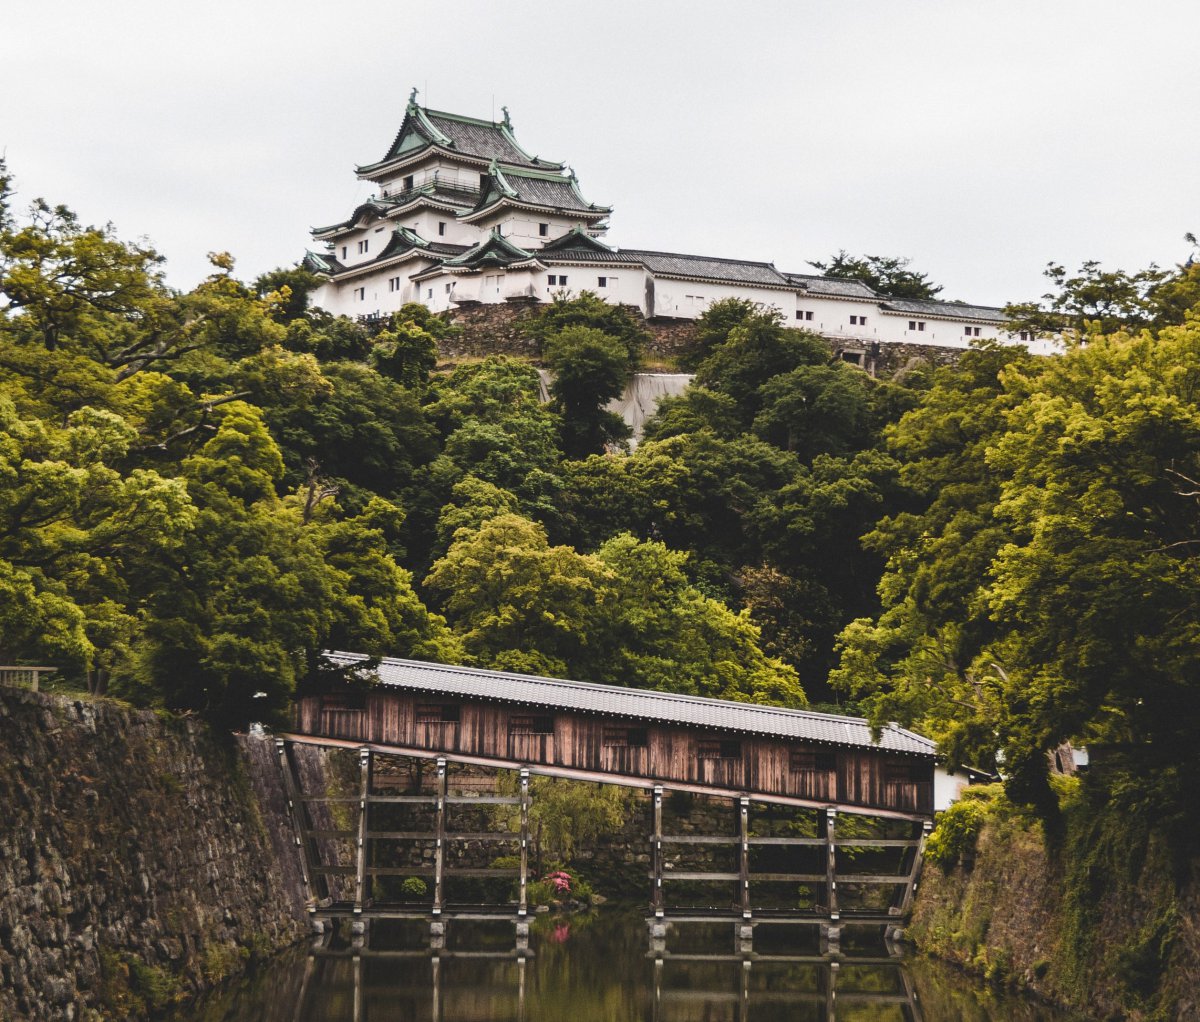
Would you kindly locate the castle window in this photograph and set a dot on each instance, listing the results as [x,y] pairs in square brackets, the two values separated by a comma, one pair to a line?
[448,287]
[858,320]
[393,283]
[364,245]
[441,228]
[1025,335]
[805,314]
[971,331]
[360,293]
[543,230]
[408,183]
[429,293]
[552,279]
[719,750]
[483,182]
[916,324]
[343,251]
[601,282]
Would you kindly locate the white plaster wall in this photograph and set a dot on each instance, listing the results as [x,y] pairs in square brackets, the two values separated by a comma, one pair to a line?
[425,223]
[683,299]
[947,788]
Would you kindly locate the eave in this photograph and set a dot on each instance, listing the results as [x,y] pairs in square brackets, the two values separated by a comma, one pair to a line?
[592,216]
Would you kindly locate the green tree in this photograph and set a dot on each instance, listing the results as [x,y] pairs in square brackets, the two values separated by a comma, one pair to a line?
[885,275]
[1094,299]
[659,631]
[590,370]
[921,661]
[517,601]
[593,312]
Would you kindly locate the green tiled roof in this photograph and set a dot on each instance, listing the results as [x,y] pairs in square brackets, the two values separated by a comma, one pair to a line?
[471,136]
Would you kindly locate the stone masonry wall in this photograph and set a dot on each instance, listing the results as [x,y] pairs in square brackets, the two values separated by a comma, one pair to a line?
[497,330]
[140,859]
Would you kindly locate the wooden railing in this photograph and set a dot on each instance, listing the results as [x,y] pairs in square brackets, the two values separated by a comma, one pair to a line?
[24,677]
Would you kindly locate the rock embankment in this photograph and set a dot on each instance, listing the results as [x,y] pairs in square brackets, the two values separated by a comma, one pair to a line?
[140,859]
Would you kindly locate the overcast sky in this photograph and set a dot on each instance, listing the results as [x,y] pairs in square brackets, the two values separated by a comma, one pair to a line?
[980,140]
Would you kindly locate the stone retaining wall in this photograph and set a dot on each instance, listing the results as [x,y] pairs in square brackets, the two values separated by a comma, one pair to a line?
[497,330]
[140,859]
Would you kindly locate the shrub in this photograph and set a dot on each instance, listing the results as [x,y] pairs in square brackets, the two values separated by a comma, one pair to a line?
[414,887]
[956,832]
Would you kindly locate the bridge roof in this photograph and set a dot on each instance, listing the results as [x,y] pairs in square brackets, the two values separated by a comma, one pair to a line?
[640,704]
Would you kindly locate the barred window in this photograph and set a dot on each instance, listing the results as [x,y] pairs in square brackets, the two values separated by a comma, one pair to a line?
[437,713]
[901,773]
[719,749]
[531,724]
[804,760]
[625,737]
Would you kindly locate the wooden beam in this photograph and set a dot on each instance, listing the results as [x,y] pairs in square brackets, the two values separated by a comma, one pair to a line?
[522,903]
[744,855]
[831,862]
[439,854]
[599,777]
[295,811]
[364,791]
[656,894]
[914,877]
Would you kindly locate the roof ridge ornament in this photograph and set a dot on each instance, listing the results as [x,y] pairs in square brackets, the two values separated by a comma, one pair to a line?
[507,122]
[412,98]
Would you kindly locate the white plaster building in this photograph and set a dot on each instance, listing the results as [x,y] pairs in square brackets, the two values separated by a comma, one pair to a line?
[464,216]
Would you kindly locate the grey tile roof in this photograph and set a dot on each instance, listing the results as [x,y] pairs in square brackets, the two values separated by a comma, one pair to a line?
[585,255]
[639,704]
[708,267]
[478,138]
[947,310]
[818,285]
[545,192]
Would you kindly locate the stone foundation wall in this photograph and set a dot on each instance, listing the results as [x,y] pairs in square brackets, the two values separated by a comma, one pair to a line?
[497,330]
[140,859]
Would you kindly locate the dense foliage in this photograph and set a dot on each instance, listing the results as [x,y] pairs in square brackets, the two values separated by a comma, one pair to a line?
[200,491]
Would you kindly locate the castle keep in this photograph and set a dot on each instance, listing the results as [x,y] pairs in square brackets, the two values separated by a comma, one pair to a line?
[465,216]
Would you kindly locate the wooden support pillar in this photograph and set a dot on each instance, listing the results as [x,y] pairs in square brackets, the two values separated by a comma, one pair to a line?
[439,852]
[831,863]
[522,902]
[744,859]
[360,861]
[914,876]
[656,851]
[296,815]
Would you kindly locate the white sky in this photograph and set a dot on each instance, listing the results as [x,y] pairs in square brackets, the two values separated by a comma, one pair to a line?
[981,140]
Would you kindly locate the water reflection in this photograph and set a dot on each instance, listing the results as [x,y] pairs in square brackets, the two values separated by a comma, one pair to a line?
[599,970]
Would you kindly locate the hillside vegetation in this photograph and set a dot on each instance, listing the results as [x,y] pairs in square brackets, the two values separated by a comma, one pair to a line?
[200,491]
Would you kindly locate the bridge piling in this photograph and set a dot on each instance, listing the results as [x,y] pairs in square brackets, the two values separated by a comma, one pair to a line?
[656,898]
[439,854]
[360,864]
[522,901]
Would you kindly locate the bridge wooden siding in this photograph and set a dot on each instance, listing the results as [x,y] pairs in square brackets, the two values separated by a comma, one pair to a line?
[813,773]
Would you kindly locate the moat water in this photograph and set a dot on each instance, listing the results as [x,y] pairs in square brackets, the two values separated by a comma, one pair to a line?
[600,968]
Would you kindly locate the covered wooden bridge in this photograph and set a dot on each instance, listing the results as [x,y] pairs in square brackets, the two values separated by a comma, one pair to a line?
[752,755]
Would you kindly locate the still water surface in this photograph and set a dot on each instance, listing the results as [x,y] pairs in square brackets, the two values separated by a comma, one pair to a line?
[599,969]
